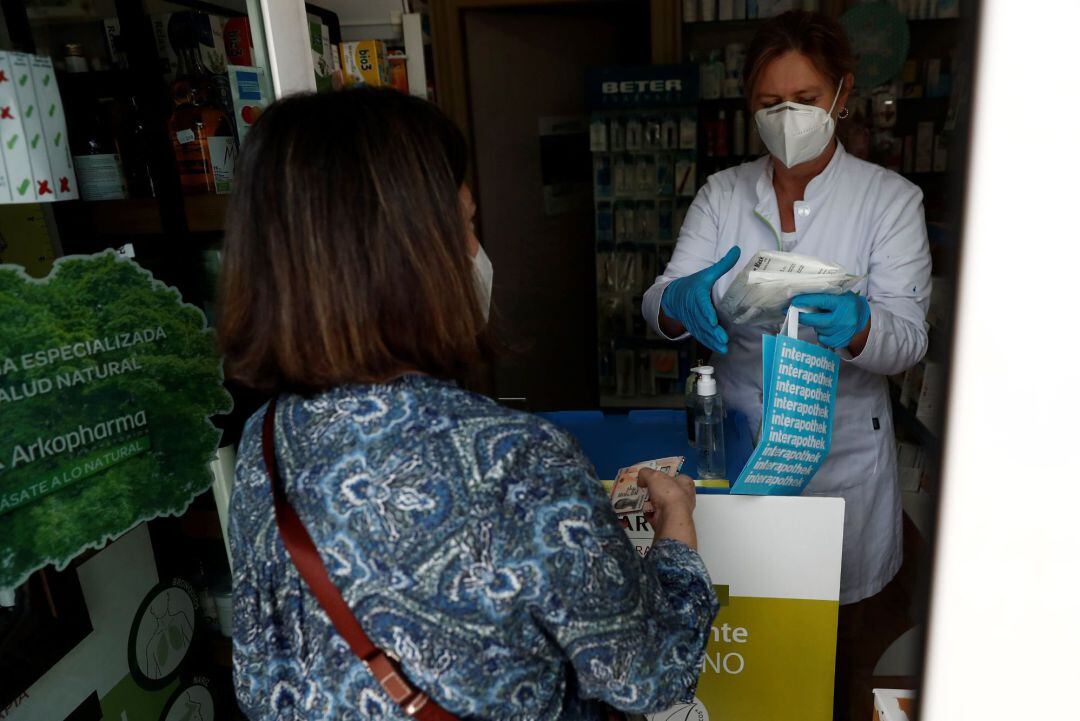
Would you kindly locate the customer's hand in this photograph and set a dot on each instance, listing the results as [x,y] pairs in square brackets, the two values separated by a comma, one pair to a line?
[672,501]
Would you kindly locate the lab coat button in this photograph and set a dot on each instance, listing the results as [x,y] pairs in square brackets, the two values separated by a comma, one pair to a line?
[804,211]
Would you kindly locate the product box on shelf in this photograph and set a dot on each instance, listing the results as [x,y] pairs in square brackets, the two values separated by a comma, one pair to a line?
[399,74]
[365,61]
[894,704]
[239,49]
[223,159]
[249,94]
[117,54]
[321,50]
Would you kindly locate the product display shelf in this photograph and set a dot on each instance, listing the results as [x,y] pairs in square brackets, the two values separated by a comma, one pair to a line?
[744,24]
[205,213]
[133,216]
[904,419]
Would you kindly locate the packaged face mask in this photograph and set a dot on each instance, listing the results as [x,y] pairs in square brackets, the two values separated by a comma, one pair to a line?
[762,291]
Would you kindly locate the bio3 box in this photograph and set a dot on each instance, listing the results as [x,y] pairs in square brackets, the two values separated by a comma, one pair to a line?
[365,61]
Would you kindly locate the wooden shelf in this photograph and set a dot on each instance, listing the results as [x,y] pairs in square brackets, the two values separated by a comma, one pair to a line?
[134,216]
[205,213]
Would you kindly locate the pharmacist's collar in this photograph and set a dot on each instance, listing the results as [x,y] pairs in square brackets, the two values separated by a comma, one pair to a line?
[817,188]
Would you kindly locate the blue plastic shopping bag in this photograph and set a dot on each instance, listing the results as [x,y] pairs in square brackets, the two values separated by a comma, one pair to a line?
[799,399]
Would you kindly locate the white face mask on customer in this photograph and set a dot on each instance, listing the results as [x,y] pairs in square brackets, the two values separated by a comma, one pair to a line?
[484,274]
[795,133]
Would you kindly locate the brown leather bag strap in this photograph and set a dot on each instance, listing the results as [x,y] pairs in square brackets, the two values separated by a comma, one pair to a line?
[305,557]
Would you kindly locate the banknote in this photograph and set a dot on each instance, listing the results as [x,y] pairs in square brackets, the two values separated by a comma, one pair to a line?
[627,496]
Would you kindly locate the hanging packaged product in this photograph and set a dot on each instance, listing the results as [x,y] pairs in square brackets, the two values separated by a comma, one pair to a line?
[798,405]
[764,288]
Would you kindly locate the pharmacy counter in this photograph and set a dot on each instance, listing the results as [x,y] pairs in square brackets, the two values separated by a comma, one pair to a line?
[614,440]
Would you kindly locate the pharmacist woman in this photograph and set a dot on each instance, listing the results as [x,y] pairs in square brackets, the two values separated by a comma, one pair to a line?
[810,197]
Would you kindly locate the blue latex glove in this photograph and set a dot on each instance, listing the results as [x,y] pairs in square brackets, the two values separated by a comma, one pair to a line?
[844,317]
[689,301]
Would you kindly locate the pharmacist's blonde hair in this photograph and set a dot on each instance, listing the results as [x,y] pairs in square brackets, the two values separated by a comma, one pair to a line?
[820,38]
[345,256]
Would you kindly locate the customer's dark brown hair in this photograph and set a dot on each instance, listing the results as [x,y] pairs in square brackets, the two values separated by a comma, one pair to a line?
[345,257]
[820,38]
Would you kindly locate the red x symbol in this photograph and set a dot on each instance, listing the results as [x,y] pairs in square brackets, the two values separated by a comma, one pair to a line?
[43,187]
[5,112]
[3,77]
[65,186]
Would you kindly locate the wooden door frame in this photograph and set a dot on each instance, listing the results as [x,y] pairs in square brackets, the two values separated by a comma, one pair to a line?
[452,81]
[448,45]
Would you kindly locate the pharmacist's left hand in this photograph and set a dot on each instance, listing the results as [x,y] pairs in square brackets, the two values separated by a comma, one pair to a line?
[839,318]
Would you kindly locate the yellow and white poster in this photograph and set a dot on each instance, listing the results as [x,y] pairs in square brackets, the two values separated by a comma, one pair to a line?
[775,563]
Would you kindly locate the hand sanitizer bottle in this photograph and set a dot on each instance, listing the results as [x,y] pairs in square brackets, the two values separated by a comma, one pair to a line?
[708,426]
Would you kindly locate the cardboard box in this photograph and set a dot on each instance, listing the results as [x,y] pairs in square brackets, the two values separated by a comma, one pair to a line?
[365,61]
[892,704]
[222,158]
[238,45]
[249,94]
[117,54]
[399,74]
[319,35]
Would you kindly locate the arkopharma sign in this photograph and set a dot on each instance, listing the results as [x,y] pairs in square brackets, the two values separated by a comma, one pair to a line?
[107,383]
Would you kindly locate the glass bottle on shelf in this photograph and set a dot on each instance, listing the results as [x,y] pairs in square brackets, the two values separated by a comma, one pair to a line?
[75,59]
[199,128]
[134,143]
[98,167]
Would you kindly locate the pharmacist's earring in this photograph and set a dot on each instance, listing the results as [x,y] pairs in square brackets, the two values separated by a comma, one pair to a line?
[843,113]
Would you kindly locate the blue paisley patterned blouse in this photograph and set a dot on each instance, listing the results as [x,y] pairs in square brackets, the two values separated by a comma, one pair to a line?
[473,542]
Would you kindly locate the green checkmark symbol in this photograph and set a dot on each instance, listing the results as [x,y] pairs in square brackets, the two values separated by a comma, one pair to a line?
[56,140]
[23,79]
[34,142]
[11,143]
[29,110]
[46,80]
[52,110]
[23,187]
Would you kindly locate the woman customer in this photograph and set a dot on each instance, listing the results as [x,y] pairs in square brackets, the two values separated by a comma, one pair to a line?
[470,541]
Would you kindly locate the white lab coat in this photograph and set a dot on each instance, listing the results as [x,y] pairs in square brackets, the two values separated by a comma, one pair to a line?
[870,221]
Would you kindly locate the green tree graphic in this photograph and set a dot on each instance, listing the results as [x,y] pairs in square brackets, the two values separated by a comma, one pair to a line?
[178,386]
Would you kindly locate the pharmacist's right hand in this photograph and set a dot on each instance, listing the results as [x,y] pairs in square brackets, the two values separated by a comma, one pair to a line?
[689,301]
[673,501]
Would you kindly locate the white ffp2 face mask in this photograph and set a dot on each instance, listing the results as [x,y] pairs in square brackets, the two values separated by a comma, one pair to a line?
[484,274]
[795,133]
